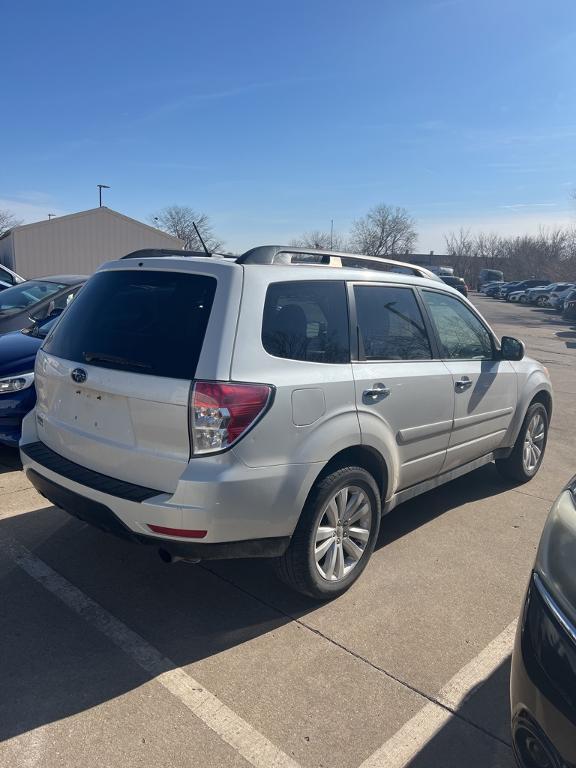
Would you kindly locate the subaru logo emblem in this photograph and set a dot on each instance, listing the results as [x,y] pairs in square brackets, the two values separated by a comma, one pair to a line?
[79,375]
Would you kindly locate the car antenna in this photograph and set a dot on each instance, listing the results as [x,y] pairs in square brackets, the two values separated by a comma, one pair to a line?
[206,251]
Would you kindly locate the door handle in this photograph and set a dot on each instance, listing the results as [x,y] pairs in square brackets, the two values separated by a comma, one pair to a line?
[376,391]
[463,384]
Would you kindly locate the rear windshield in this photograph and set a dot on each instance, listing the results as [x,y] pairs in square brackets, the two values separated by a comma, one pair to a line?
[145,322]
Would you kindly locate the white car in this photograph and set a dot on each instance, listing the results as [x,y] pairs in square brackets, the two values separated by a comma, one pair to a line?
[519,297]
[274,405]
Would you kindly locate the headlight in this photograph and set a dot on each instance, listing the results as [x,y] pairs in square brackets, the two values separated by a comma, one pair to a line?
[556,558]
[16,383]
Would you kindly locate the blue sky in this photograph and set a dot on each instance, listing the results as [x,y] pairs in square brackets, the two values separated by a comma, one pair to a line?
[274,118]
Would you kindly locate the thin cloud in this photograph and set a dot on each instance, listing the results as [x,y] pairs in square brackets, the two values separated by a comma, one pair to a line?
[171,107]
[30,210]
[517,206]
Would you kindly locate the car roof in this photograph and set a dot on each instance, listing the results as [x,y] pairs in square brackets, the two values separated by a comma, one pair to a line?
[64,279]
[270,260]
[272,273]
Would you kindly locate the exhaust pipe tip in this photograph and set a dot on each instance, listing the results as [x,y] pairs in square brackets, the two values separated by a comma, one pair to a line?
[168,558]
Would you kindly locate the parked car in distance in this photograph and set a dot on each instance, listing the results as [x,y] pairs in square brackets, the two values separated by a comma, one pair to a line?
[523,285]
[442,271]
[296,416]
[24,304]
[489,289]
[557,298]
[543,678]
[569,312]
[501,290]
[489,275]
[8,277]
[540,295]
[517,297]
[496,290]
[17,393]
[456,282]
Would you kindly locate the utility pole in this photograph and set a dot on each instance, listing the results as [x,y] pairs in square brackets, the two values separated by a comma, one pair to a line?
[51,216]
[100,188]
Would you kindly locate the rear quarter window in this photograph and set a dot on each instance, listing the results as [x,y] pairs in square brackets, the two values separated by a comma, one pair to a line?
[307,320]
[146,322]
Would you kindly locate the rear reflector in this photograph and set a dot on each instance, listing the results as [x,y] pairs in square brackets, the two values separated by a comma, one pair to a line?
[185,533]
[221,413]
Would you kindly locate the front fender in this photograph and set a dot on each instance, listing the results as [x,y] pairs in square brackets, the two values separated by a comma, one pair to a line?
[531,381]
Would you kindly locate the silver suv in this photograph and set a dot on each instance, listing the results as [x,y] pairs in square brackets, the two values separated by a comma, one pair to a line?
[274,405]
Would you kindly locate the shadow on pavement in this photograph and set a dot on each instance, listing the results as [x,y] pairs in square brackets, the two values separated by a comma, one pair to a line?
[55,665]
[570,335]
[9,459]
[480,484]
[460,744]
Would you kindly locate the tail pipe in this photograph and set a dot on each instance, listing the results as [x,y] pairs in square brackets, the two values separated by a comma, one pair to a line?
[168,558]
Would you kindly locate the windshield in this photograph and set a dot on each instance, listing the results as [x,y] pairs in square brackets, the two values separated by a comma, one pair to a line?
[27,294]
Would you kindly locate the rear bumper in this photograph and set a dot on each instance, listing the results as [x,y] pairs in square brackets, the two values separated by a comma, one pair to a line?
[100,516]
[245,511]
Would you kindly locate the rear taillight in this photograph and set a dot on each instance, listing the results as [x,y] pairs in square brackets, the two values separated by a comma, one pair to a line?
[221,413]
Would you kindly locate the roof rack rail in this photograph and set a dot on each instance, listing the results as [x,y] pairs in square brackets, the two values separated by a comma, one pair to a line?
[156,253]
[280,254]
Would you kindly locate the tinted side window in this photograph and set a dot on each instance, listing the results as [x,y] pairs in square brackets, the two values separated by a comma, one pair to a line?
[307,320]
[462,336]
[144,322]
[390,324]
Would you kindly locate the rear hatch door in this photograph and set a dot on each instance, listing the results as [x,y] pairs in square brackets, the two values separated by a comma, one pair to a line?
[114,376]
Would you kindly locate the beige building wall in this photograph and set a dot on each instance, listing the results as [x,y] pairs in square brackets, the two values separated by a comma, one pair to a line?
[78,243]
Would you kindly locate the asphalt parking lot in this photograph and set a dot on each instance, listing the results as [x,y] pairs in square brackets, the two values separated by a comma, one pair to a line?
[110,658]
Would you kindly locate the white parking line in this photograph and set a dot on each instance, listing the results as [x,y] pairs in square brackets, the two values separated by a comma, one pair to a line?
[231,728]
[406,743]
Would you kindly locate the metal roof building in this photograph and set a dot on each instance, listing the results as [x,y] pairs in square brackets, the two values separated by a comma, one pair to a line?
[77,243]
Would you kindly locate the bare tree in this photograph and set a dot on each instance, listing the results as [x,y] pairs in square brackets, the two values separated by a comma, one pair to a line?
[488,247]
[384,231]
[8,221]
[550,254]
[178,220]
[462,249]
[324,241]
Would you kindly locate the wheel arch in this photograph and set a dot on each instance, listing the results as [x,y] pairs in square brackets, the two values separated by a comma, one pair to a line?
[540,393]
[359,456]
[544,397]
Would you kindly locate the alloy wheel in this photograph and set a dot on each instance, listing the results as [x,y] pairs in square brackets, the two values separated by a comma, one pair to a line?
[342,533]
[534,442]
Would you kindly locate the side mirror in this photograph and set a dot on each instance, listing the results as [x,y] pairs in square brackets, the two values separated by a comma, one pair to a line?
[512,349]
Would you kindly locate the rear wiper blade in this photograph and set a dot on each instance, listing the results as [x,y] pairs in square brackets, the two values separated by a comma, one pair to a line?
[98,357]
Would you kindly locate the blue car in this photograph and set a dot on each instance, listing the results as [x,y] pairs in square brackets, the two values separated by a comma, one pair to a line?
[17,392]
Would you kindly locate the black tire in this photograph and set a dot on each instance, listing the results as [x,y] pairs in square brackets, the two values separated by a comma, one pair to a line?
[297,567]
[514,466]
